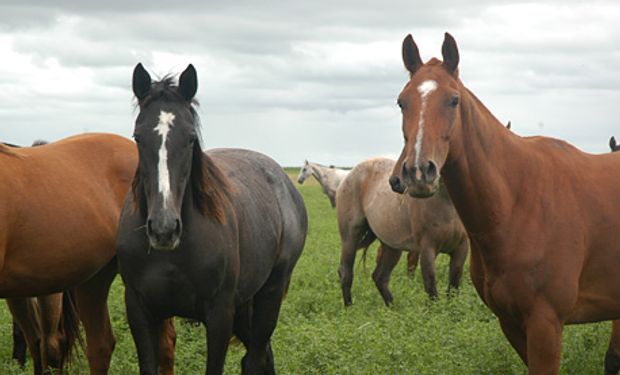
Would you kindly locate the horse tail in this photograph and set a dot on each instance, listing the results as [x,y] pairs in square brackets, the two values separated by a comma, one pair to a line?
[367,239]
[69,326]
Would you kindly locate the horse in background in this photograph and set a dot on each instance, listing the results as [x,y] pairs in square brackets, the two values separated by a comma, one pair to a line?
[507,189]
[62,202]
[328,177]
[212,236]
[368,209]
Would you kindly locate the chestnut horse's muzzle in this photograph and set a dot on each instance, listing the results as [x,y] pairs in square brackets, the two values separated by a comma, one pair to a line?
[420,182]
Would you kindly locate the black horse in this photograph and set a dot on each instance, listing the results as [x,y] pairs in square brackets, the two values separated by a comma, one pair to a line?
[208,236]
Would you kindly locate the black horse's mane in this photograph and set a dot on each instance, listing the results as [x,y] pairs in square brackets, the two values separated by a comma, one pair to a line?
[209,186]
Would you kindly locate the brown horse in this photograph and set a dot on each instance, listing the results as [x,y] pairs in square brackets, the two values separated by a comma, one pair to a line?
[543,217]
[367,210]
[61,203]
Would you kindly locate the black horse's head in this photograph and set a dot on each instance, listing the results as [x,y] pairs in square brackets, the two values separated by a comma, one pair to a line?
[166,132]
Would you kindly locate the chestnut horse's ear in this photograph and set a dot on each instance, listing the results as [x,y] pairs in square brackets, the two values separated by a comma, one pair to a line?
[613,145]
[141,82]
[450,53]
[188,83]
[411,55]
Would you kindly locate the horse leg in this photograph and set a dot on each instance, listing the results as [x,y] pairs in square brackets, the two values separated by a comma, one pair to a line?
[19,345]
[167,343]
[50,343]
[26,313]
[515,334]
[92,307]
[345,271]
[383,271]
[265,311]
[427,258]
[612,357]
[145,330]
[412,262]
[544,340]
[457,260]
[332,198]
[220,318]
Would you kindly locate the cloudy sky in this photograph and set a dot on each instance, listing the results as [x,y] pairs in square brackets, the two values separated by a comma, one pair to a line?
[314,80]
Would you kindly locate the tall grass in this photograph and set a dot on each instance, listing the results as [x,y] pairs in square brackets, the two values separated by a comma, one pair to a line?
[317,335]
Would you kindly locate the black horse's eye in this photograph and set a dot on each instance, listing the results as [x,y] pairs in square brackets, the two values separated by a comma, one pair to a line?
[454,101]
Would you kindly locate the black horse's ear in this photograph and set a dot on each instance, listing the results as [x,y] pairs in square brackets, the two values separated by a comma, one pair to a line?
[411,55]
[613,145]
[450,53]
[141,82]
[188,83]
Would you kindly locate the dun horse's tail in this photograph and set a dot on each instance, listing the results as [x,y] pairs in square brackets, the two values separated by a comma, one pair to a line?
[367,239]
[69,326]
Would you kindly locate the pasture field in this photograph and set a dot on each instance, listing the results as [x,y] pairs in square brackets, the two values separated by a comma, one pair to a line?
[317,335]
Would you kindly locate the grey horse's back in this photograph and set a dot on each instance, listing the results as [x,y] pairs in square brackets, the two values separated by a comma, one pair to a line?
[273,209]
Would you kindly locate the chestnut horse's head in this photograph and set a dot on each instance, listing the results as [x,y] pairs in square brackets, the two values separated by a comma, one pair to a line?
[166,134]
[430,107]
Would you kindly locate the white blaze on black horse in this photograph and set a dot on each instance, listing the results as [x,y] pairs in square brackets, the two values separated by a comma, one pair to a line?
[217,245]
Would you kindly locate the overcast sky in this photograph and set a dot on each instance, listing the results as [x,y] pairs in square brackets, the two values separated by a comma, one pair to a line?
[316,80]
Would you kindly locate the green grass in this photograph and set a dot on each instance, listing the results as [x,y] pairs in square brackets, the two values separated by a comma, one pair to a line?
[317,335]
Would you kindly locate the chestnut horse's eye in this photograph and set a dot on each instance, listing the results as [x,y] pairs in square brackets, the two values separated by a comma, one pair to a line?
[399,103]
[454,101]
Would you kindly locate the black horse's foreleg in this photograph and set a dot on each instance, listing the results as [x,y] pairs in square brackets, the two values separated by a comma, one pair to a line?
[145,331]
[220,317]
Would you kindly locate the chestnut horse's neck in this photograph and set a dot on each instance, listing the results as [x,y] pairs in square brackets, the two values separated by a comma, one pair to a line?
[476,173]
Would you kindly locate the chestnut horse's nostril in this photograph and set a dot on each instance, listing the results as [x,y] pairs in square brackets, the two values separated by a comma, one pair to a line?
[431,172]
[396,185]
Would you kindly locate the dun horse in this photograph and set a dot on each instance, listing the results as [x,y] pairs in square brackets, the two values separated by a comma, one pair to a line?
[208,236]
[329,178]
[543,217]
[61,207]
[367,210]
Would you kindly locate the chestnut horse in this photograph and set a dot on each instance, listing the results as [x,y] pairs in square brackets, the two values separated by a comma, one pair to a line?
[61,203]
[367,210]
[212,236]
[543,217]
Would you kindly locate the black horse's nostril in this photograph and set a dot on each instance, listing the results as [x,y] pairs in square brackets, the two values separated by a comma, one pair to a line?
[396,185]
[177,228]
[431,172]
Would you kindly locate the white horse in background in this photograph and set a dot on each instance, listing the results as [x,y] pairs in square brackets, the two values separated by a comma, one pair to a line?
[329,178]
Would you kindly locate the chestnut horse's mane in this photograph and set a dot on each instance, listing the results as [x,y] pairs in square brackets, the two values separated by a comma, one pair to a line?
[209,186]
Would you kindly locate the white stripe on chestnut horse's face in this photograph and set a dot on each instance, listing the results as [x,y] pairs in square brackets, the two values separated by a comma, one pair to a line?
[163,127]
[425,89]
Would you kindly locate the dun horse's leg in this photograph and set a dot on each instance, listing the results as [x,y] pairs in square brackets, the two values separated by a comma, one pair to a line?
[26,314]
[51,310]
[381,275]
[412,262]
[457,260]
[167,343]
[145,330]
[612,357]
[220,318]
[92,306]
[427,258]
[345,271]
